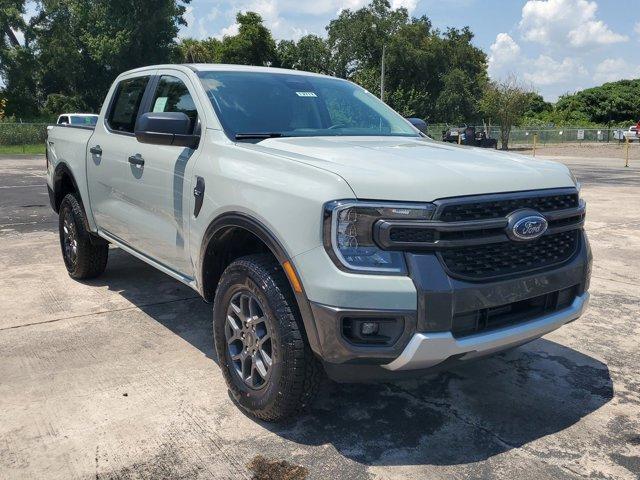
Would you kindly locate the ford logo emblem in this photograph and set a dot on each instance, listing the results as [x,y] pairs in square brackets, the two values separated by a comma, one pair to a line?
[526,225]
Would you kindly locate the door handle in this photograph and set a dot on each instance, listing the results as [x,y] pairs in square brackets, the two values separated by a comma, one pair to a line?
[95,150]
[136,160]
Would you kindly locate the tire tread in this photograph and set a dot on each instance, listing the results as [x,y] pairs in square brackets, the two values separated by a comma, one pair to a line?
[303,372]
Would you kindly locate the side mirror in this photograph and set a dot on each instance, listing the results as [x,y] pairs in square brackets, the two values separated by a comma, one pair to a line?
[166,128]
[418,123]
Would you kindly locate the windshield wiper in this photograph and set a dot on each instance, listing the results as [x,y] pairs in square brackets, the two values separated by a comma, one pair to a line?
[251,136]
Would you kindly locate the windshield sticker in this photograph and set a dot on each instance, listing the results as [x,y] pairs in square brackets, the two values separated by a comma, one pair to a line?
[306,94]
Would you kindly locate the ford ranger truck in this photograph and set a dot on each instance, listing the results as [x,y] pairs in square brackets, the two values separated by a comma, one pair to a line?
[329,234]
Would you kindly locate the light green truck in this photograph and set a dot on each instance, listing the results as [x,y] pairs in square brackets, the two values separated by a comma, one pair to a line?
[329,234]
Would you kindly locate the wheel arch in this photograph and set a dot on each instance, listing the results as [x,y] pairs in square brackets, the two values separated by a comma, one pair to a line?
[64,182]
[214,257]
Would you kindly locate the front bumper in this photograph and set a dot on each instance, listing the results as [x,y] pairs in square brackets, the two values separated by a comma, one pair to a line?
[427,339]
[426,350]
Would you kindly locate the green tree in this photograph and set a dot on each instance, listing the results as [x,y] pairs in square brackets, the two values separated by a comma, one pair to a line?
[310,54]
[356,38]
[16,62]
[456,102]
[75,48]
[429,73]
[287,54]
[11,19]
[253,45]
[505,102]
[190,50]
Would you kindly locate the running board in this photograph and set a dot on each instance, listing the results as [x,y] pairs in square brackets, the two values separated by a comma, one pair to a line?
[163,268]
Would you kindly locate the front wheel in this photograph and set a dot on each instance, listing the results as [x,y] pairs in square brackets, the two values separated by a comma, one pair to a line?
[267,364]
[83,257]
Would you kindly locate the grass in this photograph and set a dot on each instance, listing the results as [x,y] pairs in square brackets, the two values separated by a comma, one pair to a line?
[35,149]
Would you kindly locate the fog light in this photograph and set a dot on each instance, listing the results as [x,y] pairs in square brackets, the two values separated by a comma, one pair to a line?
[369,328]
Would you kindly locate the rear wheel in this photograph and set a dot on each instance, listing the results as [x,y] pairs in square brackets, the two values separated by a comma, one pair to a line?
[83,257]
[269,367]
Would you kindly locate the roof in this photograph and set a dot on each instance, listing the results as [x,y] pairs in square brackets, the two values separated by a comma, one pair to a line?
[222,67]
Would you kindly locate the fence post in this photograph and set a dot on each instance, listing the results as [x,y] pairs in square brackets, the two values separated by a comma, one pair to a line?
[626,163]
[535,143]
[459,138]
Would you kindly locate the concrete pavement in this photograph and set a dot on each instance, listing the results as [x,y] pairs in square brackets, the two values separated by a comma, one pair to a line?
[116,377]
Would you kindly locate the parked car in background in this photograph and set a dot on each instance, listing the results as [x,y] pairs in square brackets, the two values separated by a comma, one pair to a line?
[468,135]
[78,119]
[632,134]
[327,231]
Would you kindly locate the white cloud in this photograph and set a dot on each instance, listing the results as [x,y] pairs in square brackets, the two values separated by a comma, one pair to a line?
[198,28]
[410,5]
[282,17]
[558,22]
[637,28]
[503,51]
[544,70]
[229,31]
[613,69]
[594,32]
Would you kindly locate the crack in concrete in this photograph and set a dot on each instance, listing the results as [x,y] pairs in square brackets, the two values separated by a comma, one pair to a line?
[138,307]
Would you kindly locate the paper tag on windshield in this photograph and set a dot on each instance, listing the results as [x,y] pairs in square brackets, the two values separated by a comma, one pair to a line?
[306,94]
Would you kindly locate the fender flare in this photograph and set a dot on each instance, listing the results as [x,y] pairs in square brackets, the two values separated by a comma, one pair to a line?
[61,170]
[246,222]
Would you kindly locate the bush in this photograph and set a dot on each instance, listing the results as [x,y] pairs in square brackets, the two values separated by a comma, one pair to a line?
[22,133]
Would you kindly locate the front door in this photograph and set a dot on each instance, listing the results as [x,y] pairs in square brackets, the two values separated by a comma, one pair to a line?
[164,186]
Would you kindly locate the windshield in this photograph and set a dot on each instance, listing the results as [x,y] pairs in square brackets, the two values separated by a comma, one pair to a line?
[275,104]
[88,120]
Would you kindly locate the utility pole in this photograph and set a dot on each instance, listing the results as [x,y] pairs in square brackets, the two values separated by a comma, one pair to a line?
[382,74]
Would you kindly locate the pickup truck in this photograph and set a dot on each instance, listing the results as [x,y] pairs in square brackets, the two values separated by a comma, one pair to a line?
[330,235]
[631,134]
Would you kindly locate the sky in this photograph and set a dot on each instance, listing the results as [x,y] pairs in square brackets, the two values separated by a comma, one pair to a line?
[555,46]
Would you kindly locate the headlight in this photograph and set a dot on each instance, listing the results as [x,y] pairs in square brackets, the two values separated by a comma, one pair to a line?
[348,233]
[575,180]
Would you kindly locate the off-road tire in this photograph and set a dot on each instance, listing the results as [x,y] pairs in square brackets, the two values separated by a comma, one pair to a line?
[295,372]
[90,257]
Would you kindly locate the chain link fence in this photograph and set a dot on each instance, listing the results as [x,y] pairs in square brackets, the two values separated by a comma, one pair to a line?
[31,134]
[523,136]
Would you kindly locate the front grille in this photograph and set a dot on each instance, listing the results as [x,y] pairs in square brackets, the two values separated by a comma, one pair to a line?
[411,235]
[487,319]
[507,258]
[487,209]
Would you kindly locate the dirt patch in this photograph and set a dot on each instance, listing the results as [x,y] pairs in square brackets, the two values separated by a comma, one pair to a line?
[265,469]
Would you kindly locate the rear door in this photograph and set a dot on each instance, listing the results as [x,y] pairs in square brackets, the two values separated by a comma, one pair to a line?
[110,174]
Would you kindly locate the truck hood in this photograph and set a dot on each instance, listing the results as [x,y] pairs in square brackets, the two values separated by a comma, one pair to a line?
[417,169]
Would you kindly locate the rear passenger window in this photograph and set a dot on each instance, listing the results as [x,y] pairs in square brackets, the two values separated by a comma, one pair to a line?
[126,103]
[172,95]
